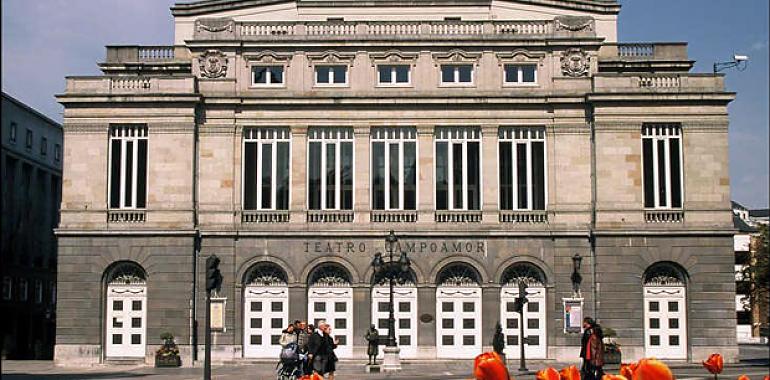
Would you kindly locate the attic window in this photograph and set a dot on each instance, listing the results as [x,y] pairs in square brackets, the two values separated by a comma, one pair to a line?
[452,18]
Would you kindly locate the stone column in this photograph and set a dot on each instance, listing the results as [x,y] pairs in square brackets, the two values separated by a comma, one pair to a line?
[361,170]
[362,318]
[298,174]
[489,179]
[425,201]
[426,332]
[490,314]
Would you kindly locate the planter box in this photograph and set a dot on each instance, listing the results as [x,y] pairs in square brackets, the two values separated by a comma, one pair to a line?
[612,357]
[167,361]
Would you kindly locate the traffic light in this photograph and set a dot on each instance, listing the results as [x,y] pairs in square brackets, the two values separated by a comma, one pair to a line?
[213,276]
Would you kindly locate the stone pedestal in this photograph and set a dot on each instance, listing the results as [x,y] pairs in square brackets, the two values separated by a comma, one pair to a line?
[373,368]
[392,361]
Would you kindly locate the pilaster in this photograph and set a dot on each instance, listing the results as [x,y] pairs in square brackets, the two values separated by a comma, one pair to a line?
[489,192]
[361,166]
[425,201]
[298,174]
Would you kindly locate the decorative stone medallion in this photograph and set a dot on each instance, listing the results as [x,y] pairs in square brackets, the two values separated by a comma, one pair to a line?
[213,64]
[574,23]
[574,62]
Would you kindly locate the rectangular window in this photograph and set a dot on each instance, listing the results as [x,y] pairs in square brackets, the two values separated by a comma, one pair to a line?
[331,75]
[662,162]
[43,146]
[23,289]
[520,74]
[38,291]
[330,169]
[29,138]
[458,165]
[522,168]
[266,168]
[394,168]
[128,166]
[57,152]
[456,74]
[7,288]
[12,132]
[393,75]
[267,75]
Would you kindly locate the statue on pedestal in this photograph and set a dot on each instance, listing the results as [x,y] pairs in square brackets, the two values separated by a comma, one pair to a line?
[373,337]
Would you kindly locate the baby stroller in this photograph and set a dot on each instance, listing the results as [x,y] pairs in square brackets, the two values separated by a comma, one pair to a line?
[291,365]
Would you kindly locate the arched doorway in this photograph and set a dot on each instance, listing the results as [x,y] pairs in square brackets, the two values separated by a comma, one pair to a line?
[665,314]
[330,298]
[535,320]
[404,310]
[265,310]
[126,316]
[458,312]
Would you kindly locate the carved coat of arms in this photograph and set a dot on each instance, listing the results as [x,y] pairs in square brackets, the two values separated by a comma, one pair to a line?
[575,62]
[213,64]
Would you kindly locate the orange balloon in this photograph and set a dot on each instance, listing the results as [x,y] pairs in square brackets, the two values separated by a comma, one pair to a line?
[489,366]
[627,370]
[570,373]
[652,369]
[714,364]
[743,377]
[547,374]
[614,377]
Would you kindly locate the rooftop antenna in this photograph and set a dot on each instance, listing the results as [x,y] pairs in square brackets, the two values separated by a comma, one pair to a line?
[740,62]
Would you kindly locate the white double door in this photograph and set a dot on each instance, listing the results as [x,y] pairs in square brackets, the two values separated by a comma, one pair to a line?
[126,321]
[404,312]
[458,322]
[665,322]
[265,315]
[335,305]
[534,324]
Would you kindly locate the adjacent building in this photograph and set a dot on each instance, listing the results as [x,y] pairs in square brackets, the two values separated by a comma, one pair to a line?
[751,309]
[31,170]
[499,139]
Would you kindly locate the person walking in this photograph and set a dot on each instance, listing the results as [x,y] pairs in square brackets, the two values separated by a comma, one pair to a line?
[317,350]
[592,350]
[288,336]
[331,344]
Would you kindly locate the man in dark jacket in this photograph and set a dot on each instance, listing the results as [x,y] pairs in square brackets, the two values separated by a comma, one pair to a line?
[591,350]
[318,350]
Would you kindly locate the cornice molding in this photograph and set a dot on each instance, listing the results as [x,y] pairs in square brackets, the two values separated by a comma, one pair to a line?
[456,56]
[394,56]
[268,56]
[330,56]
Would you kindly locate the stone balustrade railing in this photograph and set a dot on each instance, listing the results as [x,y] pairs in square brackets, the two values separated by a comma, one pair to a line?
[458,217]
[130,84]
[327,216]
[535,216]
[668,51]
[663,216]
[663,82]
[381,216]
[250,216]
[126,216]
[660,81]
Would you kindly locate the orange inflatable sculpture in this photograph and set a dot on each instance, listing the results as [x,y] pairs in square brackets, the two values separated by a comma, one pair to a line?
[489,366]
[547,374]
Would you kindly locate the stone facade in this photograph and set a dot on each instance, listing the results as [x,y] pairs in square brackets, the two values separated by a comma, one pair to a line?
[593,97]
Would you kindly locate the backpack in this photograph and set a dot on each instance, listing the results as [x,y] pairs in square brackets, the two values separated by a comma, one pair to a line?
[290,353]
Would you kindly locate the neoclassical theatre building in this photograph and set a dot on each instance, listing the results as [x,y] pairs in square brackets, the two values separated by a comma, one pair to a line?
[498,139]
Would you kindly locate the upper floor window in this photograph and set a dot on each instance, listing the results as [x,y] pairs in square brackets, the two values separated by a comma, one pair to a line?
[522,168]
[330,168]
[128,166]
[662,162]
[520,74]
[267,75]
[394,168]
[38,291]
[7,288]
[457,74]
[393,75]
[458,168]
[57,152]
[29,138]
[266,169]
[12,132]
[331,75]
[43,145]
[23,290]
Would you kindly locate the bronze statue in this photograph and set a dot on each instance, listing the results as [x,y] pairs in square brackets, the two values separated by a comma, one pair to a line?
[373,337]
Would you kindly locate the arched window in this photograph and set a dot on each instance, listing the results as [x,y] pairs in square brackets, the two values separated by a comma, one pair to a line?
[529,273]
[265,274]
[330,275]
[402,278]
[126,273]
[458,274]
[664,274]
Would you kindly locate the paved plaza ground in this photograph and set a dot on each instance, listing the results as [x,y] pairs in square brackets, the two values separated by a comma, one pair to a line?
[754,363]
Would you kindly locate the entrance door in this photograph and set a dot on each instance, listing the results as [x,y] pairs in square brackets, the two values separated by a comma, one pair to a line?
[665,322]
[126,321]
[335,305]
[458,322]
[265,314]
[405,313]
[534,327]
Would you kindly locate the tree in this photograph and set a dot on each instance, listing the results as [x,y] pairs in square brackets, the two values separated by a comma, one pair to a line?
[758,274]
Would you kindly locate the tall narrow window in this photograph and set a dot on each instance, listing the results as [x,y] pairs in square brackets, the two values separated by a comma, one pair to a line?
[662,161]
[266,169]
[394,168]
[12,133]
[128,166]
[330,169]
[522,168]
[458,179]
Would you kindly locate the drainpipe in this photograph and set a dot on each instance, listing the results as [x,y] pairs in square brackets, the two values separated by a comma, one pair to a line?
[196,244]
[592,226]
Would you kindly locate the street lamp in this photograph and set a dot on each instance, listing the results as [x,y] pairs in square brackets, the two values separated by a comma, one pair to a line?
[392,270]
[519,305]
[576,277]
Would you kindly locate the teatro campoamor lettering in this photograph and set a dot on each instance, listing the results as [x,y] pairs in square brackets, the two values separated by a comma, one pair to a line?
[408,246]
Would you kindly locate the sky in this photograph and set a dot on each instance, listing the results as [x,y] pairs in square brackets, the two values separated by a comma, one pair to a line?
[45,40]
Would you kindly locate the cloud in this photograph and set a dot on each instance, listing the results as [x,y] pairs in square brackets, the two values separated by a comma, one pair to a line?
[759,45]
